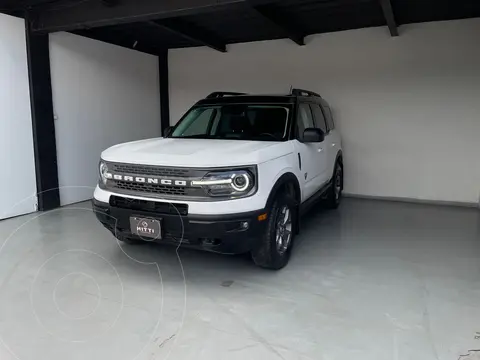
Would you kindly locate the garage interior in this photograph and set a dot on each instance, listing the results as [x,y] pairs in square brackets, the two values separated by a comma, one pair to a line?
[393,273]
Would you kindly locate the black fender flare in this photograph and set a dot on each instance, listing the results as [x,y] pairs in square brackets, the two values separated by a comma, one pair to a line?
[339,156]
[286,178]
[339,159]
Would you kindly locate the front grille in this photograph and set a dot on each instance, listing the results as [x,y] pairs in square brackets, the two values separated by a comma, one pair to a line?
[149,188]
[149,206]
[145,170]
[158,190]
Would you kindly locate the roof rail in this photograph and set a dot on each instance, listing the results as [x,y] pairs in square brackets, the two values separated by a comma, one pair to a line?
[301,92]
[218,94]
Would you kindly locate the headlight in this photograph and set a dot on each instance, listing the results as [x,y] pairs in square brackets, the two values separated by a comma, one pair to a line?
[234,183]
[103,170]
[241,182]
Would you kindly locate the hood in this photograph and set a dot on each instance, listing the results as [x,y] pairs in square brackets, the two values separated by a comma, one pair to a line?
[196,152]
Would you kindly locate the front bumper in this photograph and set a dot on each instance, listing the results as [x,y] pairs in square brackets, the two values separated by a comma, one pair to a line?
[218,233]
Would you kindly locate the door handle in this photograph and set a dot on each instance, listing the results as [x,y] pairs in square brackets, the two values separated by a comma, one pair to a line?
[320,149]
[333,144]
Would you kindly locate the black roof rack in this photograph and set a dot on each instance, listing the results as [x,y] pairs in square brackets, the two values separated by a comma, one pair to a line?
[301,92]
[218,94]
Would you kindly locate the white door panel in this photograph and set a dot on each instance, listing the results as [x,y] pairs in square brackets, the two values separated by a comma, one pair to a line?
[333,138]
[313,159]
[330,146]
[323,160]
[333,147]
[314,155]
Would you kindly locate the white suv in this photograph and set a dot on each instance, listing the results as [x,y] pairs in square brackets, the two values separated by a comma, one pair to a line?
[233,176]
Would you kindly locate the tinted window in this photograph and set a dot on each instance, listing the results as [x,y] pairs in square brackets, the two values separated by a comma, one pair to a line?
[328,114]
[268,120]
[305,118]
[319,119]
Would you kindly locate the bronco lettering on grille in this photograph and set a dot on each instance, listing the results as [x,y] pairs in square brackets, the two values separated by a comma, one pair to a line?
[147,180]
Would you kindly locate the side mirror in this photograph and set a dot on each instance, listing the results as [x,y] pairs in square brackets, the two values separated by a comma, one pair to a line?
[168,131]
[313,135]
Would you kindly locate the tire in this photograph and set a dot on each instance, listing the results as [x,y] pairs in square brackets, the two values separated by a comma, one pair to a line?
[271,254]
[334,195]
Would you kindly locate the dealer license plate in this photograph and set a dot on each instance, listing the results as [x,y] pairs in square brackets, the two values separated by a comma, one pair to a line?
[145,227]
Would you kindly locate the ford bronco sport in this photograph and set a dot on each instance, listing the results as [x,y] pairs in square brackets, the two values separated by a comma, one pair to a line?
[233,175]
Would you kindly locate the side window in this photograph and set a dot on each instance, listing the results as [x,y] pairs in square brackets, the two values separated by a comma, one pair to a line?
[305,119]
[319,118]
[328,114]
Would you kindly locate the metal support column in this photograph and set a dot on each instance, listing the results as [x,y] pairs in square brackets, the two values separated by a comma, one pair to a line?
[44,143]
[164,94]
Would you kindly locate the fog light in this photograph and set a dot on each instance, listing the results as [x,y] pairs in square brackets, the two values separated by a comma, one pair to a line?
[244,225]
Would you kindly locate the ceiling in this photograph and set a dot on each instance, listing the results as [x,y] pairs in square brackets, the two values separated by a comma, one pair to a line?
[156,25]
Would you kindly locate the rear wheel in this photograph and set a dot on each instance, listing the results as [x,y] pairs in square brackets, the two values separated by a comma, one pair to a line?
[276,244]
[334,195]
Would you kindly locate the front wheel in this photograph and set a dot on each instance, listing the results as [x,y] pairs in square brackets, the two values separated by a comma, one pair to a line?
[273,251]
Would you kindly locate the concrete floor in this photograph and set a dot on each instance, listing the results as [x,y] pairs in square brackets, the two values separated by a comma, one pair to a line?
[373,280]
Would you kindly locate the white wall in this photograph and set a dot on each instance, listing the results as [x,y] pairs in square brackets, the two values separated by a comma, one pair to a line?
[103,95]
[17,181]
[408,107]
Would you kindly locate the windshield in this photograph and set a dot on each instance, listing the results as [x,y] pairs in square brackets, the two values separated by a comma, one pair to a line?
[235,122]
